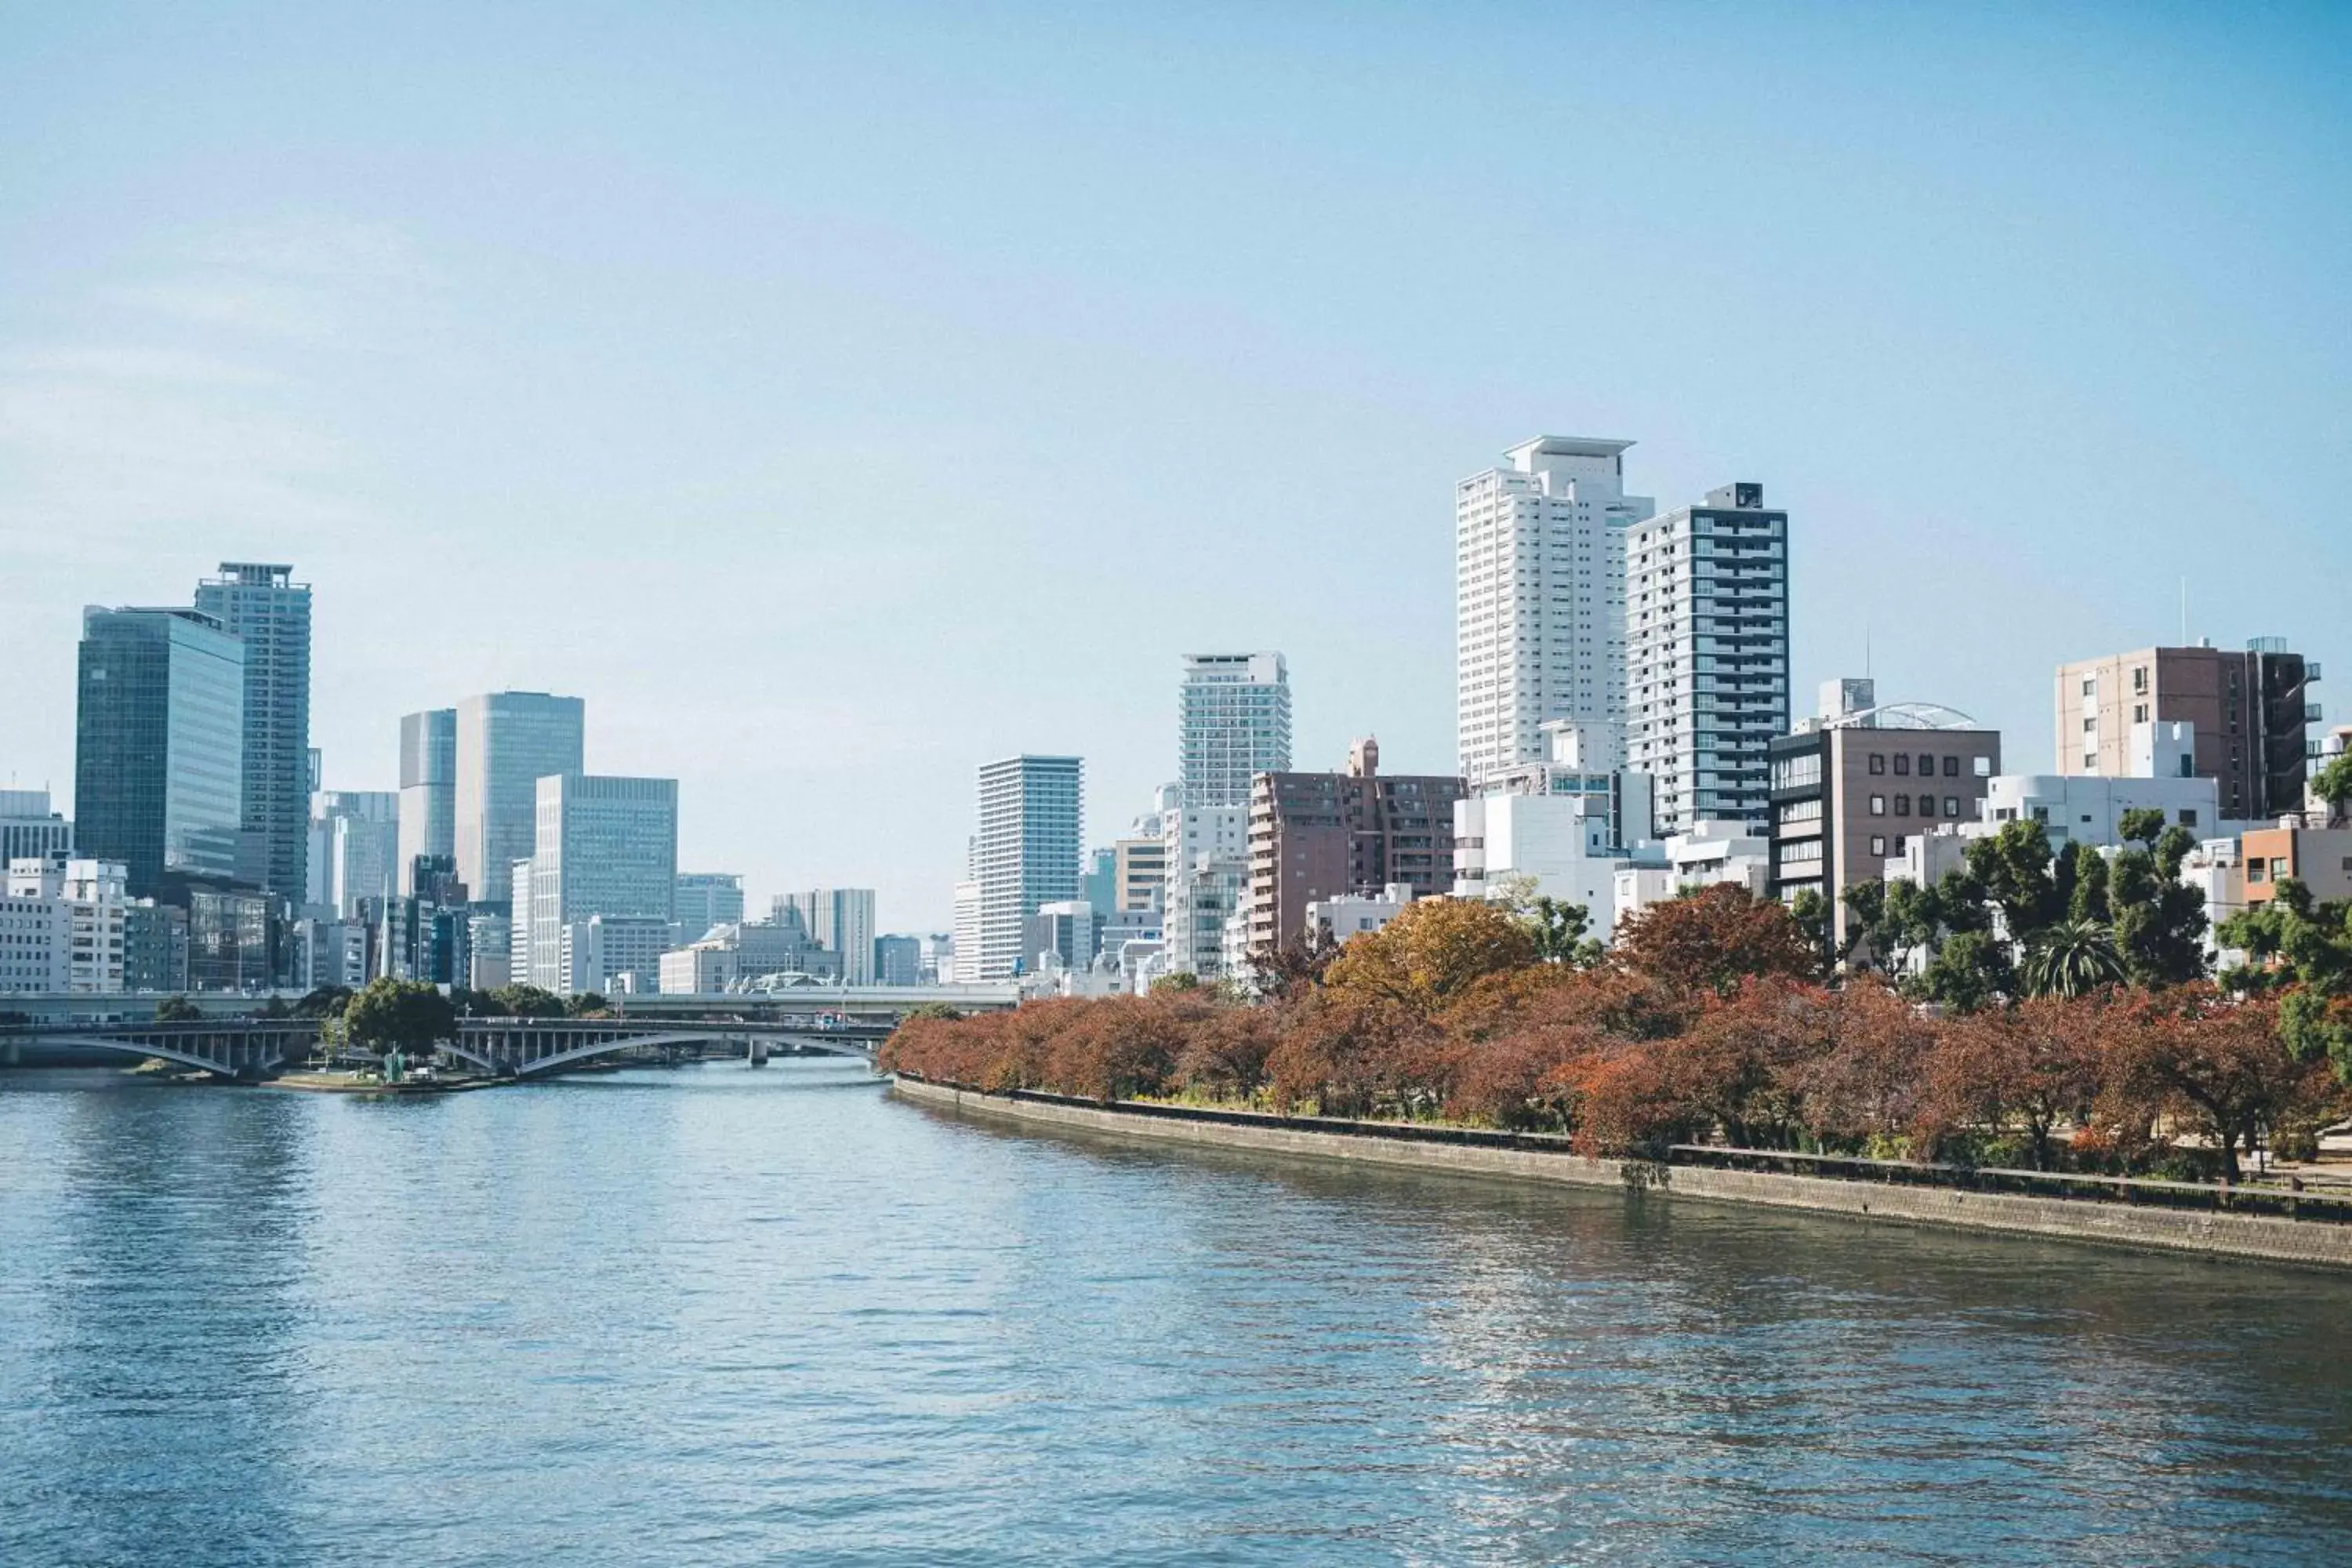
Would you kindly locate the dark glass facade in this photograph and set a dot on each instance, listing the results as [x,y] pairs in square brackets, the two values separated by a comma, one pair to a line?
[158,745]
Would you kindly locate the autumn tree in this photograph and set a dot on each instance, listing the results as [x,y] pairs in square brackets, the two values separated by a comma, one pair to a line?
[1294,967]
[1431,952]
[2037,1062]
[2216,1063]
[1713,938]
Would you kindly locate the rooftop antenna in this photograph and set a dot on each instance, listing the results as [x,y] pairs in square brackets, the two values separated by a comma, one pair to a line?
[2184,612]
[1866,650]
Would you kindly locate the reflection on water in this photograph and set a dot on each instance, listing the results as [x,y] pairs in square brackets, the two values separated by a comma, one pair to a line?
[712,1316]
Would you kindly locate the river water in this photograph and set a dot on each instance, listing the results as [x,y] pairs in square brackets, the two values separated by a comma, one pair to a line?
[716,1315]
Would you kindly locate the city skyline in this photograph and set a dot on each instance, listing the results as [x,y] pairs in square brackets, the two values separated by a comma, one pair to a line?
[570,395]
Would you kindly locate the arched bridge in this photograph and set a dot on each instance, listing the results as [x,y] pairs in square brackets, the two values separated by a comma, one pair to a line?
[506,1047]
[233,1048]
[529,1048]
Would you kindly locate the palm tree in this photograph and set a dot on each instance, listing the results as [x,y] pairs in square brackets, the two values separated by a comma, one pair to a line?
[2073,958]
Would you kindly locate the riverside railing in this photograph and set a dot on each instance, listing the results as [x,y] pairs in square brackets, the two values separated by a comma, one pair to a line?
[2288,1201]
[2292,1202]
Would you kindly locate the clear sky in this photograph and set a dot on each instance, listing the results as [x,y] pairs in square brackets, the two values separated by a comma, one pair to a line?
[837,396]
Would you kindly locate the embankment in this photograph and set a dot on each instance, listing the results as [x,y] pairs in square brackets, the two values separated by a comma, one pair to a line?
[2309,1242]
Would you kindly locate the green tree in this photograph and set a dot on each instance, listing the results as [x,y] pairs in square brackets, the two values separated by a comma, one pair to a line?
[325,1002]
[528,1002]
[2333,784]
[2013,866]
[2086,869]
[2159,921]
[406,1015]
[177,1010]
[1970,971]
[2073,958]
[588,1004]
[1562,932]
[939,1010]
[1175,984]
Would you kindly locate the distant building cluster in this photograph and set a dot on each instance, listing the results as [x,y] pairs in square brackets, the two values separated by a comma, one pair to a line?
[206,854]
[1625,735]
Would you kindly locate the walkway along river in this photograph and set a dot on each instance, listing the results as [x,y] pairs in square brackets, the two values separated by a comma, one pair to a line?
[714,1315]
[2320,1241]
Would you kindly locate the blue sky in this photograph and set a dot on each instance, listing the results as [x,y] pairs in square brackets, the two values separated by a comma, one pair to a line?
[837,396]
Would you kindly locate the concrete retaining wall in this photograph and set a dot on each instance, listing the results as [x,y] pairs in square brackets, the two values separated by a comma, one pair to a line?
[2316,1243]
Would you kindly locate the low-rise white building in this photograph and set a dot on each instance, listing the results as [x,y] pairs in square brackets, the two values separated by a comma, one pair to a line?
[698,969]
[1355,914]
[70,914]
[1709,854]
[1562,841]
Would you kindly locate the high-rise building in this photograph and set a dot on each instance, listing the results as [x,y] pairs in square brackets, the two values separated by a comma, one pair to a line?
[1707,657]
[30,829]
[354,849]
[1234,724]
[1323,836]
[262,605]
[159,744]
[1031,811]
[842,921]
[2250,710]
[603,846]
[1539,598]
[506,742]
[428,793]
[707,899]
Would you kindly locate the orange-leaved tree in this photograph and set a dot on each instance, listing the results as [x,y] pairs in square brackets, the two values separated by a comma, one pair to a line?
[1431,953]
[1713,938]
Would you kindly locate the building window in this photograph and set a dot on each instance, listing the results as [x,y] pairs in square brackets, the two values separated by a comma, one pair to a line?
[1951,767]
[1984,767]
[2090,761]
[2139,678]
[2254,870]
[1902,805]
[2090,685]
[1878,843]
[2139,712]
[1902,764]
[1878,806]
[1878,763]
[1926,766]
[2188,817]
[1952,805]
[2091,724]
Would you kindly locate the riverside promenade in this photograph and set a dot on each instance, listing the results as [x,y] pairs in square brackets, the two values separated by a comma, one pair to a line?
[2113,1221]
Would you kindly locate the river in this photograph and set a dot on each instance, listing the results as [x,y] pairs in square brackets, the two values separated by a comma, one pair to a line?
[715,1315]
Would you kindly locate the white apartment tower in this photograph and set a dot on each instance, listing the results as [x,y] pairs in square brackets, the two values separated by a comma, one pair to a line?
[1233,724]
[1539,599]
[1707,663]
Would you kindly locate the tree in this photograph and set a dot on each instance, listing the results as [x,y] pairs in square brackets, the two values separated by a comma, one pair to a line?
[2158,921]
[1293,968]
[588,1004]
[528,1002]
[933,1010]
[2073,958]
[1170,984]
[1713,939]
[1970,970]
[2333,784]
[2012,865]
[1562,932]
[324,1002]
[2038,1061]
[177,1010]
[2217,1064]
[407,1015]
[1432,951]
[2087,870]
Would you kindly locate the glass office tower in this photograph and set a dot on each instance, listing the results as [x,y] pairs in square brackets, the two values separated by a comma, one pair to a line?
[160,744]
